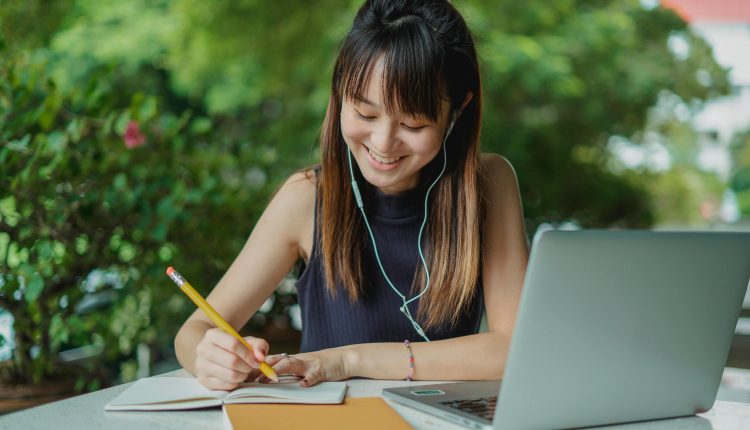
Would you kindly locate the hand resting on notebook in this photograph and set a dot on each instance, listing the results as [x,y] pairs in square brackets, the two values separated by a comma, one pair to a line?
[313,367]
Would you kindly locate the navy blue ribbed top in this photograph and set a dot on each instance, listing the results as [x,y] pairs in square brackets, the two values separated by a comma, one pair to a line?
[329,322]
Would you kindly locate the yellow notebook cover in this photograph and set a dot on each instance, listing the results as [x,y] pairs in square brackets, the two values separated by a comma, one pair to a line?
[359,412]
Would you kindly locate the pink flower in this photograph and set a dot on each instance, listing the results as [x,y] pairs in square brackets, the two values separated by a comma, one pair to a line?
[133,136]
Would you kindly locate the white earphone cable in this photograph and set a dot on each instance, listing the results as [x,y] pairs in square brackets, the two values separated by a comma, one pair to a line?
[355,188]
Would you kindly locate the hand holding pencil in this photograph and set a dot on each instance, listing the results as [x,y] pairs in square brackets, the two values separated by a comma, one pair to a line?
[216,318]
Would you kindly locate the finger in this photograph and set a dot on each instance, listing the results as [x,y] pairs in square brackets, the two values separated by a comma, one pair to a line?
[311,373]
[260,347]
[254,375]
[211,352]
[311,378]
[292,365]
[228,342]
[213,383]
[272,360]
[231,361]
[226,374]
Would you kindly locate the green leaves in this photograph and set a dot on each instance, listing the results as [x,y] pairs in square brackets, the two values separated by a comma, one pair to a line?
[80,203]
[740,180]
[34,288]
[562,78]
[8,213]
[31,282]
[59,331]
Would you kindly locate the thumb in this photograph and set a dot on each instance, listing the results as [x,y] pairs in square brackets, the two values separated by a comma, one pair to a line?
[260,347]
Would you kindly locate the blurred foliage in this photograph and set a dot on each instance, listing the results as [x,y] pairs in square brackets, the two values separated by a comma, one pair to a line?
[680,193]
[139,134]
[562,78]
[740,180]
[31,24]
[245,59]
[80,194]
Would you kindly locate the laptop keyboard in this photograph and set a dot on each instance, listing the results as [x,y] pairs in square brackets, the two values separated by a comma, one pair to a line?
[483,407]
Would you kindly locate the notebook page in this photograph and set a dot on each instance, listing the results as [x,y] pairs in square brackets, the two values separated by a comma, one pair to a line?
[289,392]
[166,393]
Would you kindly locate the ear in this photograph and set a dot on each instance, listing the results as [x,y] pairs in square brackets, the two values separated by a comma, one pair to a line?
[469,96]
[457,113]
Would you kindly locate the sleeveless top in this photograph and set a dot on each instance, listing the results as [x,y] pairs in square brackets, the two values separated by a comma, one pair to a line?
[331,321]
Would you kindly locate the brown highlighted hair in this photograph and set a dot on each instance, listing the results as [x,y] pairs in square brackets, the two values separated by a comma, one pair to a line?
[428,54]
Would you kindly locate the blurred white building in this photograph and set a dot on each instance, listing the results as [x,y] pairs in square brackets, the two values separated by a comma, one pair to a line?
[725,24]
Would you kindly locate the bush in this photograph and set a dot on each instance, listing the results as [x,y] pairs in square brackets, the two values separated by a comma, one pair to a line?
[101,189]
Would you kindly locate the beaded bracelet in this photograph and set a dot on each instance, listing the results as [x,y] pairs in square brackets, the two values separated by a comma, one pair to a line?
[410,376]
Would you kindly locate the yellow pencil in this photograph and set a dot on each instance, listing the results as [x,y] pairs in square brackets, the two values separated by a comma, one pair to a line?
[216,318]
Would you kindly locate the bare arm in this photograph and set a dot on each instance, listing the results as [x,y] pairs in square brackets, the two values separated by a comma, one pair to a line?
[479,356]
[268,255]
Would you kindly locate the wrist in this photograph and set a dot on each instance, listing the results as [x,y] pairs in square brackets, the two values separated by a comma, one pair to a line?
[350,361]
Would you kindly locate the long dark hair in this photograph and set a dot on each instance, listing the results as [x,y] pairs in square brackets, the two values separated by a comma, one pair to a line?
[428,53]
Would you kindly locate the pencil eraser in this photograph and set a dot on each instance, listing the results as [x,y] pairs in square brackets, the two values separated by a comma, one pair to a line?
[170,270]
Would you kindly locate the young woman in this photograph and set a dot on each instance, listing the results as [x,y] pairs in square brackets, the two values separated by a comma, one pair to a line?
[395,287]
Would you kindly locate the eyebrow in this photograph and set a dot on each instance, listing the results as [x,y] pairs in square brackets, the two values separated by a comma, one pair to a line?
[371,103]
[366,101]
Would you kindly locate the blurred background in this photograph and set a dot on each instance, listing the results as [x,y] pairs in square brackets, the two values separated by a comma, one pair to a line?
[138,134]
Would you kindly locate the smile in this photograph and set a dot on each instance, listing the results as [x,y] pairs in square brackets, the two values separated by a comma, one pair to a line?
[380,159]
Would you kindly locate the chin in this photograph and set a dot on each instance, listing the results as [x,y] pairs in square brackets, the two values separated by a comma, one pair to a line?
[388,182]
[380,183]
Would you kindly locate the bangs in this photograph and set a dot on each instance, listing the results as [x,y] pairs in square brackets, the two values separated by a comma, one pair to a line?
[412,62]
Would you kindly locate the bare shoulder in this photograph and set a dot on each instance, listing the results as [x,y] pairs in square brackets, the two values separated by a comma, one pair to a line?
[295,199]
[294,205]
[497,174]
[299,185]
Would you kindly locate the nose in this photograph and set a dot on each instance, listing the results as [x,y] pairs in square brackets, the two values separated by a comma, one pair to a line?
[384,138]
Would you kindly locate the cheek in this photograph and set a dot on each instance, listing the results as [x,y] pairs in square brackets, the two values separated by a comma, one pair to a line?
[429,144]
[351,132]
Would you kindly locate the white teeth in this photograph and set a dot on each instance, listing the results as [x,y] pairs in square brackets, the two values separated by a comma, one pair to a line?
[382,160]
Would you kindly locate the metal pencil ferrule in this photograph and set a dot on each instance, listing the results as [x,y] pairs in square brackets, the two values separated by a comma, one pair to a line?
[177,278]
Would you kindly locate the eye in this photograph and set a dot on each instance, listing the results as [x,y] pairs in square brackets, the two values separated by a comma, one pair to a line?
[367,118]
[413,129]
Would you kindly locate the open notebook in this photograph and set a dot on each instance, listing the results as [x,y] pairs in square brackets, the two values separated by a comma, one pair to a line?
[175,393]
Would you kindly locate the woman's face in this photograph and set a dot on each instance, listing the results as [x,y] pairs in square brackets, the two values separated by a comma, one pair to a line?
[390,150]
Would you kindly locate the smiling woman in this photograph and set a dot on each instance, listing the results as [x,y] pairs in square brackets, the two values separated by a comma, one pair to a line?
[403,67]
[392,227]
[385,140]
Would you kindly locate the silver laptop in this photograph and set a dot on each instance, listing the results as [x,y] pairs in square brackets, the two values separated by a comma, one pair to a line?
[613,327]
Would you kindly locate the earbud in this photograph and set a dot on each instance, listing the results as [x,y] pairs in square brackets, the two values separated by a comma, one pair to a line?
[454,116]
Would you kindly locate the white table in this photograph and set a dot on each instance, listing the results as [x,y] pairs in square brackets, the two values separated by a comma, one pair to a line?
[87,412]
